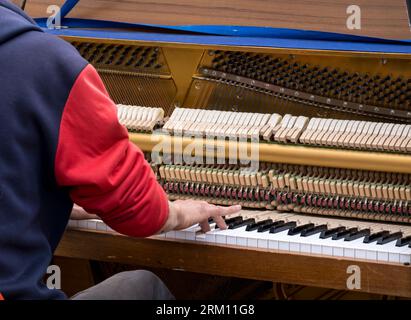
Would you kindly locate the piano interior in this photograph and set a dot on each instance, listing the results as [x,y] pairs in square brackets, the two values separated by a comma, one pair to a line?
[324,180]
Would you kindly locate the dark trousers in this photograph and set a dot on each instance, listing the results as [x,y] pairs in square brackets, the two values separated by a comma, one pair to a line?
[129,285]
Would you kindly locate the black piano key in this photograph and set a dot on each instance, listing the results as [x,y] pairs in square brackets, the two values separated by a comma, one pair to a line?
[314,230]
[403,241]
[267,227]
[391,237]
[329,233]
[283,227]
[229,221]
[343,234]
[357,235]
[255,226]
[234,219]
[375,236]
[239,224]
[299,229]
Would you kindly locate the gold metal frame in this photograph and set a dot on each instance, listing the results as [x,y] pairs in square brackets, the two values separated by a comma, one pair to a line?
[277,153]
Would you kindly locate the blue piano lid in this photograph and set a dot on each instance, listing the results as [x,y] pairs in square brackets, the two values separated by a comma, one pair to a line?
[229,36]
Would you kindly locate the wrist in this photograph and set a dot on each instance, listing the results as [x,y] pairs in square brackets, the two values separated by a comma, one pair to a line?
[172,221]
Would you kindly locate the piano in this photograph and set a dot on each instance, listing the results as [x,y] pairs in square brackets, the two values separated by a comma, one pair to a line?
[315,144]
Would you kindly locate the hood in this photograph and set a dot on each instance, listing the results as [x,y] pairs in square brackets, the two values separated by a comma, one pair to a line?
[14,22]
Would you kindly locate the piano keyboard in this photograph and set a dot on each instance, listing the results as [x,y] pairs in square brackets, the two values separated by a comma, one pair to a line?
[270,230]
[345,134]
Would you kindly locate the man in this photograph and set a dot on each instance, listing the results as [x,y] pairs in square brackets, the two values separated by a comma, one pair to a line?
[60,142]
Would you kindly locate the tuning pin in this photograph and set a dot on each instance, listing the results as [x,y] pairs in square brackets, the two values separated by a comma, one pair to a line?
[100,60]
[116,49]
[216,60]
[149,64]
[138,63]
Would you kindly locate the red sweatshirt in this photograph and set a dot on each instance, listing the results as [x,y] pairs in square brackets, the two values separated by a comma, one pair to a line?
[107,174]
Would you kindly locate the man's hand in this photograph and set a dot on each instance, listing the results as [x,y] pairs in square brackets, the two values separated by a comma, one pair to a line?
[185,213]
[78,213]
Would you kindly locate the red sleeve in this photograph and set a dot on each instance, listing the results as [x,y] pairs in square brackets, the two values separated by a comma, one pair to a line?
[106,173]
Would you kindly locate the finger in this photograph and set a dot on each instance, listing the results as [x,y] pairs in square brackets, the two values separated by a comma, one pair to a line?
[223,211]
[78,213]
[205,226]
[83,216]
[230,210]
[220,222]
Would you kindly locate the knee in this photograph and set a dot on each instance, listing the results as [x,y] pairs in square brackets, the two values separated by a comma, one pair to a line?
[144,277]
[146,284]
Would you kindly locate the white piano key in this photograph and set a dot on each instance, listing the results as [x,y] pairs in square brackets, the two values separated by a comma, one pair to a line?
[221,238]
[72,224]
[371,255]
[92,224]
[241,241]
[262,243]
[405,258]
[180,234]
[210,236]
[295,245]
[82,224]
[350,246]
[231,239]
[338,252]
[283,245]
[394,257]
[252,242]
[159,235]
[190,233]
[170,235]
[349,252]
[101,226]
[200,237]
[316,249]
[327,250]
[273,244]
[254,237]
[360,253]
